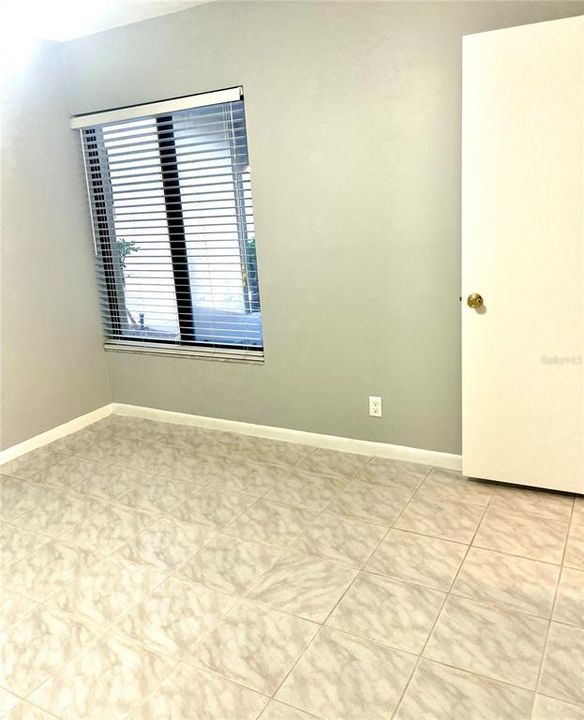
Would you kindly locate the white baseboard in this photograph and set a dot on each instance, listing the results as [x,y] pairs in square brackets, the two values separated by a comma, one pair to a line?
[55,433]
[331,442]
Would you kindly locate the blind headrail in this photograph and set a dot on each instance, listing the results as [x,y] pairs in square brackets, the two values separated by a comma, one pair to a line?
[132,112]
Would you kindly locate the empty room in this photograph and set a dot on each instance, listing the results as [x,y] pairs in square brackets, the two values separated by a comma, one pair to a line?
[292,360]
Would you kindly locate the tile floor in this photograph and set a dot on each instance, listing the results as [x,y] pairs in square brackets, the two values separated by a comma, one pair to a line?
[153,571]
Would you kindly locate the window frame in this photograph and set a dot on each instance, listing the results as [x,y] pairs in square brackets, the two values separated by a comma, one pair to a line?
[102,221]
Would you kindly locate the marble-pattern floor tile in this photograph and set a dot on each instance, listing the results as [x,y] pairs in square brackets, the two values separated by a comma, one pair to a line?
[106,680]
[18,496]
[515,582]
[527,535]
[443,693]
[391,611]
[447,520]
[304,489]
[59,512]
[30,463]
[112,450]
[109,528]
[278,711]
[499,644]
[108,590]
[449,485]
[232,441]
[186,469]
[418,558]
[175,616]
[382,471]
[114,425]
[156,570]
[255,646]
[16,543]
[25,711]
[575,547]
[7,701]
[158,458]
[303,585]
[237,446]
[331,462]
[212,508]
[373,678]
[190,692]
[561,675]
[13,607]
[37,647]
[554,506]
[546,708]
[110,483]
[166,543]
[138,429]
[225,474]
[67,473]
[276,452]
[229,564]
[271,522]
[191,438]
[48,569]
[227,444]
[158,494]
[342,539]
[374,503]
[179,463]
[569,607]
[75,444]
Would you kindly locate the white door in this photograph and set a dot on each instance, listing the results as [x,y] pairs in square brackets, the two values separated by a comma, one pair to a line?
[523,252]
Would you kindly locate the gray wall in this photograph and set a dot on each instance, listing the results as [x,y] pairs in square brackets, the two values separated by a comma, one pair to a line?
[53,365]
[353,116]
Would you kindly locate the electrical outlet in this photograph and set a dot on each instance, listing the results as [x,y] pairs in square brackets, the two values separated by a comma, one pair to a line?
[375,406]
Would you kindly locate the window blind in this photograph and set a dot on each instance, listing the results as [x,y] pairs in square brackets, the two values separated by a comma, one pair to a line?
[172,212]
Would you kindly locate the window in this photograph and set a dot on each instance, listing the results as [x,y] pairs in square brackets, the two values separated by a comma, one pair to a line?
[170,194]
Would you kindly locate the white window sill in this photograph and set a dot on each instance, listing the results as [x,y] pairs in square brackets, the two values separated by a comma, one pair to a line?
[253,357]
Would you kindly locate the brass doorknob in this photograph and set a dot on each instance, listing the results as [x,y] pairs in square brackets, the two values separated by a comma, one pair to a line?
[475,301]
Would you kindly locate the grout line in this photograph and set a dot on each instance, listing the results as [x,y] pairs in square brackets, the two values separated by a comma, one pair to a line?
[478,676]
[498,605]
[436,619]
[194,664]
[143,700]
[51,676]
[272,608]
[369,639]
[217,531]
[264,714]
[549,625]
[297,661]
[578,705]
[514,514]
[322,624]
[50,714]
[339,600]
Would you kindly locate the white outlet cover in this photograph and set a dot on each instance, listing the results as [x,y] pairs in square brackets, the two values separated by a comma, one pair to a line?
[375,406]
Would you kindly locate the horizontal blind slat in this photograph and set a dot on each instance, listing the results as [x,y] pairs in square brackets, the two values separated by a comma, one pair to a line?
[148,143]
[173,218]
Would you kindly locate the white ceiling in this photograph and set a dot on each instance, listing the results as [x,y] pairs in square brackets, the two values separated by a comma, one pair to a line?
[67,19]
[124,12]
